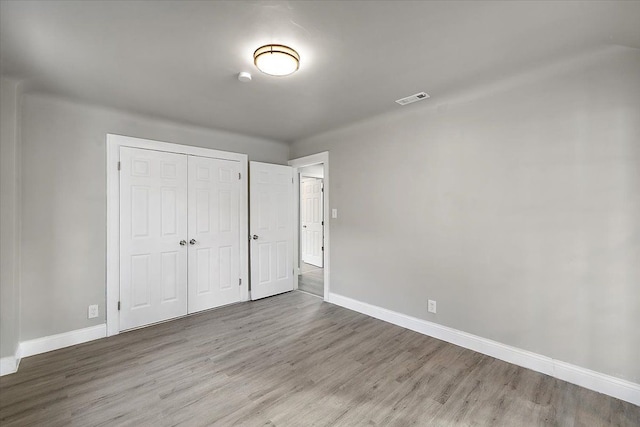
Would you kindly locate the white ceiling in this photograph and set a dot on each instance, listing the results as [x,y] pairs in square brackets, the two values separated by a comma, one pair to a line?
[179,60]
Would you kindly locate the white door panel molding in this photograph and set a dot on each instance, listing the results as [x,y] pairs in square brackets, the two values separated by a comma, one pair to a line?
[271,227]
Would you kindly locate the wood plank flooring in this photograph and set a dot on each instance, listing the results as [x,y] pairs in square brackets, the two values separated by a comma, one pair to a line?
[311,279]
[289,360]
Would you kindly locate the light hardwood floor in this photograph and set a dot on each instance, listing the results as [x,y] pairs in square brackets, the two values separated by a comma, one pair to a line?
[311,279]
[289,360]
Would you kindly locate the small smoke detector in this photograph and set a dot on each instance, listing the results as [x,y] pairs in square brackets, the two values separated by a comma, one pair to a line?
[413,98]
[244,77]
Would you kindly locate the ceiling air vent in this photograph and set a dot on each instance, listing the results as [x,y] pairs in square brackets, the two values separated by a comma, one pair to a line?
[413,98]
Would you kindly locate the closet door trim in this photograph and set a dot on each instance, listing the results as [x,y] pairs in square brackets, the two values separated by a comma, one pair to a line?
[113,144]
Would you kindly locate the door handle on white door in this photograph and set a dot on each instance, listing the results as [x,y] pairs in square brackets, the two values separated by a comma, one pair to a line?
[192,241]
[255,237]
[183,242]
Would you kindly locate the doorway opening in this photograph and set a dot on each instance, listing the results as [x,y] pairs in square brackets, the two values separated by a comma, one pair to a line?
[311,229]
[312,225]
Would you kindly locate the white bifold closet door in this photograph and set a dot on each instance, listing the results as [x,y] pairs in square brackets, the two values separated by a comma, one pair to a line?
[179,235]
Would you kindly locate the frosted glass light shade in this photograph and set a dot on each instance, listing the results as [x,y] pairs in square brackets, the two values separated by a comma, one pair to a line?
[276,60]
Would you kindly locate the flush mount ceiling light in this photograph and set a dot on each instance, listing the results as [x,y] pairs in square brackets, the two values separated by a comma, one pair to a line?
[276,60]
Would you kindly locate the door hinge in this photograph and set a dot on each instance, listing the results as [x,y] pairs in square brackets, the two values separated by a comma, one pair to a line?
[322,222]
[118,305]
[323,248]
[119,165]
[322,189]
[239,175]
[240,282]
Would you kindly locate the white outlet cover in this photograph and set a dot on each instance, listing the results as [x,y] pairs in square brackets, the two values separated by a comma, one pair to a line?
[432,306]
[93,312]
[334,213]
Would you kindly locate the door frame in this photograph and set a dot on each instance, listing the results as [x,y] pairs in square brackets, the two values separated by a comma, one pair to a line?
[114,142]
[298,163]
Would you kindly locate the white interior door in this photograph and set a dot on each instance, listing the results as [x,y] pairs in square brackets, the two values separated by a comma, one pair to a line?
[271,227]
[153,233]
[214,233]
[311,221]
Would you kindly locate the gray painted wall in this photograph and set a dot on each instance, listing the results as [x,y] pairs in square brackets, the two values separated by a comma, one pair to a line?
[9,214]
[515,206]
[64,203]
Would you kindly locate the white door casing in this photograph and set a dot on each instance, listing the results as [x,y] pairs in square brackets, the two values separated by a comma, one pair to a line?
[272,229]
[153,213]
[301,162]
[214,233]
[311,221]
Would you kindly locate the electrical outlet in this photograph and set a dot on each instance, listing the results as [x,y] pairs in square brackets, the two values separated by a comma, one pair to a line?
[432,306]
[93,311]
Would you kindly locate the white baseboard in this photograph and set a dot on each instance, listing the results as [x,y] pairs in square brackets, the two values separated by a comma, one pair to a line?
[66,339]
[8,365]
[602,383]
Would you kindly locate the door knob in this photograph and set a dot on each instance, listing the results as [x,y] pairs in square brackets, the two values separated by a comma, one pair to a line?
[183,242]
[192,241]
[304,226]
[255,237]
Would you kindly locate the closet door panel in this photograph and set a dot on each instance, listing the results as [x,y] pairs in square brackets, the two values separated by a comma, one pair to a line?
[153,222]
[214,233]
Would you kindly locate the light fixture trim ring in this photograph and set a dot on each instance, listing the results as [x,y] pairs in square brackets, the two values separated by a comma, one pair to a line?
[278,49]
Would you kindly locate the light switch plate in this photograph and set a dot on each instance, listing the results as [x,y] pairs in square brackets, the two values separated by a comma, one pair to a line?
[334,213]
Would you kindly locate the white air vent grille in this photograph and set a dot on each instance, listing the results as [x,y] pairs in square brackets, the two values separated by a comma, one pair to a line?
[413,98]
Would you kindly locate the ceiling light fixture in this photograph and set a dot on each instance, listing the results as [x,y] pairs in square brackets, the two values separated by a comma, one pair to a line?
[276,60]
